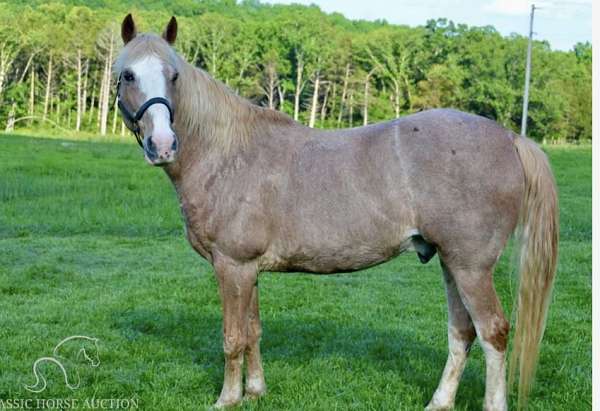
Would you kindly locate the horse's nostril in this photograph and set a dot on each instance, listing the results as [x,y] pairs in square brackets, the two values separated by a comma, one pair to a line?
[150,148]
[150,144]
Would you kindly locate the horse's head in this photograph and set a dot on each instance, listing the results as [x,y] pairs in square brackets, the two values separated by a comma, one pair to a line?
[148,68]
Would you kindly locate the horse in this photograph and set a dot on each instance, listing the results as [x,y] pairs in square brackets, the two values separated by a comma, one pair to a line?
[261,192]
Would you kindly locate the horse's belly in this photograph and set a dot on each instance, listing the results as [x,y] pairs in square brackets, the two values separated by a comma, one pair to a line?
[330,257]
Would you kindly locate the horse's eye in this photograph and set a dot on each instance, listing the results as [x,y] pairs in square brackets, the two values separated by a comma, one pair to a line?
[175,77]
[128,76]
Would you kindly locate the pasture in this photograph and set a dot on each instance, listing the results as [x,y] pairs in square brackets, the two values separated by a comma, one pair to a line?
[92,243]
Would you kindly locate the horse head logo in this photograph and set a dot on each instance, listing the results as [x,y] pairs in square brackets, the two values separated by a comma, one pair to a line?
[87,348]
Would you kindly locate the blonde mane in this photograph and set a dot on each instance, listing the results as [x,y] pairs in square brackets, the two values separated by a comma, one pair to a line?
[205,108]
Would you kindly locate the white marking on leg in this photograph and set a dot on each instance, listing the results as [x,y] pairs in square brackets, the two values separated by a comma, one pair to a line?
[443,398]
[495,382]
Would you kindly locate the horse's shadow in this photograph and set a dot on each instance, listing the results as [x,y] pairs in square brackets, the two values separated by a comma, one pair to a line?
[296,341]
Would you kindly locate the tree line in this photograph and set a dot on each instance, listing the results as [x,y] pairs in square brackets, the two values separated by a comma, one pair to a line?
[322,69]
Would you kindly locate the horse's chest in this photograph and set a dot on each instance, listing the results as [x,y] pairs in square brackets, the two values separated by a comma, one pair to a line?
[199,228]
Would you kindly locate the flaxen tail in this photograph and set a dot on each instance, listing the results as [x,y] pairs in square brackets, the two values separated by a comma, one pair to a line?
[538,239]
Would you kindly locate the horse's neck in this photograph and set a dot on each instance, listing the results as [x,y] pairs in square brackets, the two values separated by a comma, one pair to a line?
[211,114]
[216,126]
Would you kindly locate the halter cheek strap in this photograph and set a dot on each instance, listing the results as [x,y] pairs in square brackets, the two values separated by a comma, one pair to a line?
[135,117]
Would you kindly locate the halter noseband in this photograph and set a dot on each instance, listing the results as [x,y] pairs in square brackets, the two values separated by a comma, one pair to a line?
[135,117]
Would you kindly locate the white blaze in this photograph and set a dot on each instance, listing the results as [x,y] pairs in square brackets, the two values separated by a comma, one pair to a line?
[151,81]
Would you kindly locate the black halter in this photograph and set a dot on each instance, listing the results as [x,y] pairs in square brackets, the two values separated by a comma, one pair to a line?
[134,118]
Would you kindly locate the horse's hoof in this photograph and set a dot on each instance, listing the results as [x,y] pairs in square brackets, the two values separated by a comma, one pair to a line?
[254,395]
[219,405]
[436,407]
[226,403]
[255,389]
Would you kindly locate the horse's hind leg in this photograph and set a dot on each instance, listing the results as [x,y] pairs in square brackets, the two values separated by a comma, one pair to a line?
[476,289]
[461,334]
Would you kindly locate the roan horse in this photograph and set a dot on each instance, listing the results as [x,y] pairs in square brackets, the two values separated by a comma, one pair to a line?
[260,192]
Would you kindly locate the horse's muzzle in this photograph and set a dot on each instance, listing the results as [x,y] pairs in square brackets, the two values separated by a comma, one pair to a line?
[160,151]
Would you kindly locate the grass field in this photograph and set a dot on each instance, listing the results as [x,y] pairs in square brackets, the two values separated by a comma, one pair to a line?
[92,243]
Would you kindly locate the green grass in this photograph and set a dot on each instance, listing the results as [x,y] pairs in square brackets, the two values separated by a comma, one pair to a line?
[92,243]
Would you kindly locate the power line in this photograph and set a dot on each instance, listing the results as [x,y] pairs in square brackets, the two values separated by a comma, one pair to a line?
[567,3]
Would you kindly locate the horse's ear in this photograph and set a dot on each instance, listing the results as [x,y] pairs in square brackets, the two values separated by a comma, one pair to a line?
[128,30]
[170,33]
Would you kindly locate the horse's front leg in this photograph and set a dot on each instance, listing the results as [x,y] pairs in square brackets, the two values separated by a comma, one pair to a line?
[236,282]
[255,379]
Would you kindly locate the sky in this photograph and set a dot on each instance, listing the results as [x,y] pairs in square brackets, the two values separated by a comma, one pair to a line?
[561,23]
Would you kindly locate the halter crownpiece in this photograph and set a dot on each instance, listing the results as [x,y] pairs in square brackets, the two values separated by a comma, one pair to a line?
[135,117]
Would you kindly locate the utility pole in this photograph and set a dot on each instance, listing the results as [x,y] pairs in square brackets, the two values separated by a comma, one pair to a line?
[527,75]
